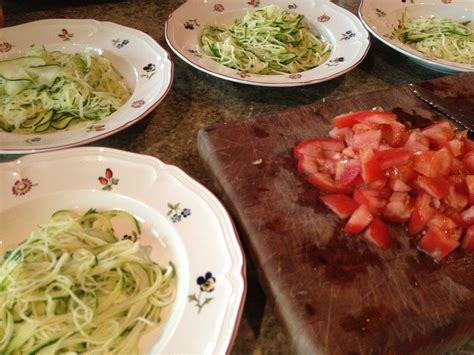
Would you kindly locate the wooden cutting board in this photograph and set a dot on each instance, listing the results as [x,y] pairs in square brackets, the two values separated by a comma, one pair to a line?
[336,293]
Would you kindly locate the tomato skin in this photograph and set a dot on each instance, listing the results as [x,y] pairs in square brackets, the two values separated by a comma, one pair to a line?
[449,227]
[436,244]
[327,184]
[315,146]
[350,119]
[370,168]
[340,204]
[393,158]
[377,233]
[359,220]
[468,240]
[422,212]
[436,187]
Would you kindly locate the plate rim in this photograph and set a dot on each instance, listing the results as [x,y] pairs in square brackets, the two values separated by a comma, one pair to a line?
[432,63]
[294,83]
[237,271]
[129,122]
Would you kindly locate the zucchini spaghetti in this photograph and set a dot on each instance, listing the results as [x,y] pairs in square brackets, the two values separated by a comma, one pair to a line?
[73,286]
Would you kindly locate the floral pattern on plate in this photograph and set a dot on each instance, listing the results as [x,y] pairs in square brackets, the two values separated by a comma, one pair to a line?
[206,284]
[22,186]
[150,70]
[118,43]
[176,213]
[5,47]
[65,35]
[108,180]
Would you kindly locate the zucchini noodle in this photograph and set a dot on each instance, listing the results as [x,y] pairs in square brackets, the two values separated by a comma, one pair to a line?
[268,41]
[73,286]
[438,38]
[49,90]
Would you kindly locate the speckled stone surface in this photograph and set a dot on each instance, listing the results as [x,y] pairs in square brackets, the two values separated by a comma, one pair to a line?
[197,100]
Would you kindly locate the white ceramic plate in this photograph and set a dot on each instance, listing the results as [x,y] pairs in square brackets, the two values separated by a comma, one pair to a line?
[347,35]
[145,66]
[380,16]
[182,222]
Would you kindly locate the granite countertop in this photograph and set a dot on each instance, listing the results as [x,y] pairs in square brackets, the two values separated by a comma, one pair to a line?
[197,100]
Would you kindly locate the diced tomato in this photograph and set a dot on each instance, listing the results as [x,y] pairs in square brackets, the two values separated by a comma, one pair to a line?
[436,244]
[347,171]
[370,168]
[394,157]
[468,145]
[404,173]
[422,212]
[442,162]
[349,153]
[326,183]
[359,220]
[380,117]
[433,164]
[307,164]
[455,199]
[367,139]
[377,233]
[468,162]
[470,188]
[394,134]
[446,224]
[417,142]
[394,176]
[457,167]
[398,185]
[468,216]
[436,187]
[439,133]
[399,208]
[455,147]
[314,147]
[378,185]
[371,198]
[340,204]
[468,240]
[350,119]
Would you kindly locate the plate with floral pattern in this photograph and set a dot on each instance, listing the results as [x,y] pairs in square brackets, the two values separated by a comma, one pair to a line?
[145,66]
[381,16]
[346,34]
[181,222]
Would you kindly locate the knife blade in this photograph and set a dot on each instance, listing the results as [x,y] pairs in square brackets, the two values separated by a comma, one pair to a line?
[443,106]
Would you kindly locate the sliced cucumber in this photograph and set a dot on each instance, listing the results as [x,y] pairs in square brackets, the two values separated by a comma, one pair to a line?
[14,69]
[13,87]
[39,120]
[44,75]
[62,123]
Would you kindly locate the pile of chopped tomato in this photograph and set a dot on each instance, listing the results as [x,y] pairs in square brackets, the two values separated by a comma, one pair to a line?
[374,170]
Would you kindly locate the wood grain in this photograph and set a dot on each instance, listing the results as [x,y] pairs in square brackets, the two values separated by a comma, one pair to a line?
[335,293]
